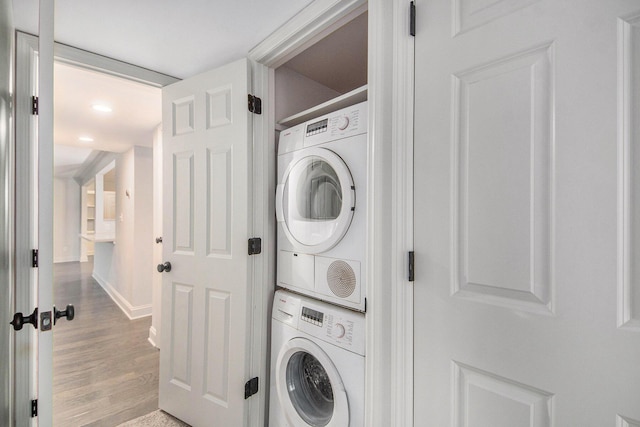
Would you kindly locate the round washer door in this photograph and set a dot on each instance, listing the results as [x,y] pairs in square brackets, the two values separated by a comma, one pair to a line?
[309,386]
[315,200]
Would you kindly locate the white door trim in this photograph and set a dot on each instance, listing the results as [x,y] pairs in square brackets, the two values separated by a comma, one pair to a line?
[314,22]
[389,372]
[26,296]
[25,229]
[402,235]
[8,213]
[45,213]
[390,312]
[263,268]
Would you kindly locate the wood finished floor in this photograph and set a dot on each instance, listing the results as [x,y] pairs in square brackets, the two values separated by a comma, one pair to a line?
[105,370]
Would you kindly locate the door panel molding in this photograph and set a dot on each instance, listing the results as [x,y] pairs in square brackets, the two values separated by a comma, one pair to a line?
[478,393]
[502,235]
[628,178]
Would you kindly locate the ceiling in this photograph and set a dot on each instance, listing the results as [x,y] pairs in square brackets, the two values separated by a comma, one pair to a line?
[179,39]
[79,129]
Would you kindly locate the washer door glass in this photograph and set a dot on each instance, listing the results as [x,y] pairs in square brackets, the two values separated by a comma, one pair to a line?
[317,201]
[309,389]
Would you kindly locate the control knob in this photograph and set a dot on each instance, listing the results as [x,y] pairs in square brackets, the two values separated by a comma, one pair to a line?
[340,331]
[343,122]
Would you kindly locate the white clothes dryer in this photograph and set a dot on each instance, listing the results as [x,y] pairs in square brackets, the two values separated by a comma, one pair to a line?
[317,364]
[321,207]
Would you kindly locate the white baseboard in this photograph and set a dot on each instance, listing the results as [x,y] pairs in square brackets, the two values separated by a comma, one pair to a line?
[70,258]
[153,337]
[132,312]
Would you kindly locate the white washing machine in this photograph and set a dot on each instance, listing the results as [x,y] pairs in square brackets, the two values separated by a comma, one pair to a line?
[321,207]
[317,364]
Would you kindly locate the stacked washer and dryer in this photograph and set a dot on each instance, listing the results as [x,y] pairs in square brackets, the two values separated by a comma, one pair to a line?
[318,323]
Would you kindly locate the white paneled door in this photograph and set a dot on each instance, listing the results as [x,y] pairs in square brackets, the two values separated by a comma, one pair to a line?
[527,211]
[205,337]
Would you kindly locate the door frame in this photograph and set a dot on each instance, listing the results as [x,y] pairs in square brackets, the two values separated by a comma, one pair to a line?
[390,183]
[7,215]
[389,317]
[400,194]
[26,370]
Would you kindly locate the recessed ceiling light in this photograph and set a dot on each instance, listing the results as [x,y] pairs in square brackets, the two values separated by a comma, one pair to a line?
[102,108]
[85,139]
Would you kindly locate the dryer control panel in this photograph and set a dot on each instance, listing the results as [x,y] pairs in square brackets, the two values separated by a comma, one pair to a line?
[349,121]
[340,124]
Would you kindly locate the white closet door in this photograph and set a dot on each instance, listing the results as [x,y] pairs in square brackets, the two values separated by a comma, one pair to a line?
[526,213]
[206,306]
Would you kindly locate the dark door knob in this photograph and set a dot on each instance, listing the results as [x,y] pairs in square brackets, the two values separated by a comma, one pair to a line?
[69,312]
[164,267]
[158,239]
[19,320]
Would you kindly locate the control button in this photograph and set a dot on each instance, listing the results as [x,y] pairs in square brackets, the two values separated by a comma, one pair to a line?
[343,122]
[340,331]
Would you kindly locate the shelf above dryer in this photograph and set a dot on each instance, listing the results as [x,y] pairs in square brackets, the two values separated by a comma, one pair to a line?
[349,98]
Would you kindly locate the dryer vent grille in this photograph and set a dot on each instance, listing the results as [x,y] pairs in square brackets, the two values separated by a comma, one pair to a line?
[341,279]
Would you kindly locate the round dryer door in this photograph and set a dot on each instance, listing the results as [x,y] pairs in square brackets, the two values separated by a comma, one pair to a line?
[309,386]
[315,200]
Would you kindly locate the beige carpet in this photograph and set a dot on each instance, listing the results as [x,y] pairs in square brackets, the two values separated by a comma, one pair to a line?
[155,419]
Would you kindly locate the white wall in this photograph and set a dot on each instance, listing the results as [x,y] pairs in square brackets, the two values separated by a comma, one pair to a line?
[124,249]
[154,330]
[103,226]
[296,93]
[143,228]
[125,269]
[66,220]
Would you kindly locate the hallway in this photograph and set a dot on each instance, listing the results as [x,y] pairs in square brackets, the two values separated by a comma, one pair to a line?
[105,370]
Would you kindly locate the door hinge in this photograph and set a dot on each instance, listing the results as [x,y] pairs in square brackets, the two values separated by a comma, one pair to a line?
[411,266]
[34,408]
[255,246]
[34,105]
[255,104]
[412,19]
[34,258]
[251,387]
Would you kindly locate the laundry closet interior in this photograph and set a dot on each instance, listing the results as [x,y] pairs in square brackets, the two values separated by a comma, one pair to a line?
[317,328]
[328,75]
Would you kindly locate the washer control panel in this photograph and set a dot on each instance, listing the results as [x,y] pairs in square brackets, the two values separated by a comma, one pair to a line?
[327,322]
[312,316]
[335,325]
[340,329]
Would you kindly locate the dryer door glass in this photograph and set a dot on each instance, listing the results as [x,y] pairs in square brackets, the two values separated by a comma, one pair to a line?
[310,389]
[318,200]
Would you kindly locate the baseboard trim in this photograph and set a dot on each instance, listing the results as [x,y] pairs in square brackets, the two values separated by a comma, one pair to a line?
[132,312]
[58,260]
[153,337]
